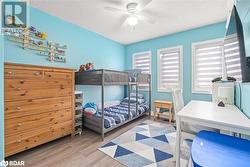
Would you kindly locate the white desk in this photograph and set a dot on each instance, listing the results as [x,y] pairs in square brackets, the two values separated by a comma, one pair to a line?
[228,118]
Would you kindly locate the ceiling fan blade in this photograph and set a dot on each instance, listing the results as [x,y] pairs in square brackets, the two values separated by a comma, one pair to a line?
[143,4]
[125,23]
[146,18]
[112,9]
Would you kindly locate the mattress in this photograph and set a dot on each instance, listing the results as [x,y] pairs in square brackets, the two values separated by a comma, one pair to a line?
[115,115]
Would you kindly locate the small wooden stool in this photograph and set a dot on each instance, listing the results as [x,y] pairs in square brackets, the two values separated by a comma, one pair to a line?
[164,105]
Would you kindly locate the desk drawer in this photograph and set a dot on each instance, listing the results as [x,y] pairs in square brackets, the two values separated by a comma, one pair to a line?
[163,105]
[35,106]
[18,125]
[18,143]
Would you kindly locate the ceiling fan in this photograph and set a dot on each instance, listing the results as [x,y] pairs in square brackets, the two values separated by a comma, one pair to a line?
[133,12]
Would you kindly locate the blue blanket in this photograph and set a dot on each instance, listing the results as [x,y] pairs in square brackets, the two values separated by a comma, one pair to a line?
[117,114]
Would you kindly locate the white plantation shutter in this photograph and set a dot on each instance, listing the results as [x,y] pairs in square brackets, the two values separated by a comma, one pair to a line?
[142,61]
[232,57]
[169,68]
[207,64]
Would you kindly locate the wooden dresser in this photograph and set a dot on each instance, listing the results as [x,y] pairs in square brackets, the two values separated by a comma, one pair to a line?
[39,105]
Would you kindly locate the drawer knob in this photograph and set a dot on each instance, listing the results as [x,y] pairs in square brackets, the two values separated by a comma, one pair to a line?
[18,108]
[23,94]
[19,141]
[18,88]
[19,124]
[22,81]
[10,72]
[37,73]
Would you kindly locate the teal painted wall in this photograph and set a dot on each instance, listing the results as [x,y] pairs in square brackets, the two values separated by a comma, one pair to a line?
[83,46]
[242,97]
[243,7]
[185,39]
[245,93]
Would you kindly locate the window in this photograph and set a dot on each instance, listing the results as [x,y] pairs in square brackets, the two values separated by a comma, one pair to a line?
[170,68]
[232,57]
[142,61]
[207,64]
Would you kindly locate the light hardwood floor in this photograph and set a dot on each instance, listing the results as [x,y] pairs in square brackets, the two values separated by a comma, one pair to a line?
[80,151]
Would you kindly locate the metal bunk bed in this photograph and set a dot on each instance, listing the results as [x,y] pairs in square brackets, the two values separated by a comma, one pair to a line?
[110,78]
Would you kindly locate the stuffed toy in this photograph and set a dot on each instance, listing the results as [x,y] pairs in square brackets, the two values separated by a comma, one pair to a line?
[82,68]
[89,66]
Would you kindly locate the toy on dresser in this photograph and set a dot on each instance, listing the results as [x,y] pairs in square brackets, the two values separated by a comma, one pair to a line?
[82,68]
[87,67]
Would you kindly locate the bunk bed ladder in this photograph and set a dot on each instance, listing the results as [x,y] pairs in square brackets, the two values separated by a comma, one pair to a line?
[136,91]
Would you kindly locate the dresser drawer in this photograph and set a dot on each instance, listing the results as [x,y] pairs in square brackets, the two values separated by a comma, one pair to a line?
[28,107]
[18,143]
[58,75]
[29,84]
[25,74]
[27,94]
[19,125]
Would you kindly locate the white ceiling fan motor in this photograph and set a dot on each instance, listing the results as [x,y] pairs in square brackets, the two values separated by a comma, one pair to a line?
[131,7]
[132,13]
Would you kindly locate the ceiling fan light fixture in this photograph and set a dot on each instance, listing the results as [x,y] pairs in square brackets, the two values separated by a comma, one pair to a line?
[132,21]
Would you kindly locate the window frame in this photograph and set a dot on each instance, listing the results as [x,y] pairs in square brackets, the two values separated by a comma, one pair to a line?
[193,57]
[169,89]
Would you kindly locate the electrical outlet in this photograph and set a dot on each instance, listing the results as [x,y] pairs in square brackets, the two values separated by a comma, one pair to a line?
[248,62]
